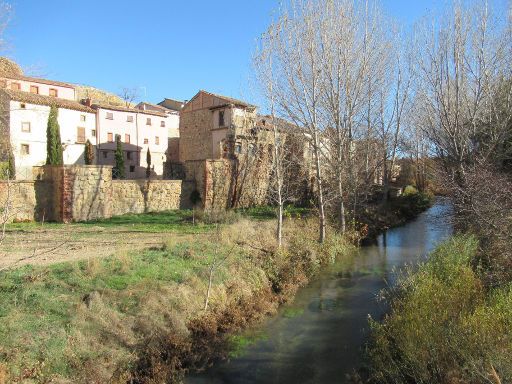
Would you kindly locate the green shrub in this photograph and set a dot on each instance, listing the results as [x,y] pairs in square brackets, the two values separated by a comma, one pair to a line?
[217,216]
[443,327]
[410,190]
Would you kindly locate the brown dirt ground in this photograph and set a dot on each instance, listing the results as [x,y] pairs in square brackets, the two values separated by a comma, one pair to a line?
[50,245]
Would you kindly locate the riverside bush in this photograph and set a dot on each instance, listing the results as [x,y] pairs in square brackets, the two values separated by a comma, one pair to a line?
[443,326]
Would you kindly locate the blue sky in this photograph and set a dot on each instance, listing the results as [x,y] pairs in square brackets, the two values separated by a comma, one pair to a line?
[166,48]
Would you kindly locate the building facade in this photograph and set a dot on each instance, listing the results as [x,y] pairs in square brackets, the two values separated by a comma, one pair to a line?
[139,130]
[25,116]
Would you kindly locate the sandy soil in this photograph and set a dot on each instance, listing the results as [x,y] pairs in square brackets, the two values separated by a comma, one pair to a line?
[56,244]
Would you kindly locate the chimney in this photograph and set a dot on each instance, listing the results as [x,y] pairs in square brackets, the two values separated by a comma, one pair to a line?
[87,102]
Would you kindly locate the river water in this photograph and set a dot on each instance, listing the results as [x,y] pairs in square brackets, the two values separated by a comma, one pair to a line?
[319,337]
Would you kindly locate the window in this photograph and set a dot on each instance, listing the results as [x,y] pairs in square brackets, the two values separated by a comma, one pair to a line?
[129,119]
[109,116]
[162,123]
[238,148]
[148,121]
[146,141]
[82,117]
[157,140]
[25,149]
[3,83]
[34,89]
[25,127]
[23,105]
[15,86]
[93,132]
[127,138]
[132,168]
[110,137]
[80,135]
[221,118]
[53,92]
[128,155]
[105,154]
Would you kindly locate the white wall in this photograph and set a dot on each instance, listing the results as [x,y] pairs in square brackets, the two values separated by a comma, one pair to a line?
[37,116]
[150,132]
[138,131]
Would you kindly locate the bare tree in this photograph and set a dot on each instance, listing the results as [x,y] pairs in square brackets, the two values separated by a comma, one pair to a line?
[463,62]
[129,95]
[293,46]
[281,162]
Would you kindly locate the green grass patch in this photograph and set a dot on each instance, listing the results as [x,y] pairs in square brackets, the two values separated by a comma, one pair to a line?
[290,313]
[179,221]
[267,212]
[240,343]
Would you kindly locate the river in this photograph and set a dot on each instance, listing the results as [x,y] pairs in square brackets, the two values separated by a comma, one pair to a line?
[319,337]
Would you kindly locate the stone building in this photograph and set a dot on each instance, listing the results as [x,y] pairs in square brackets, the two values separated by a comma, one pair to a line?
[228,150]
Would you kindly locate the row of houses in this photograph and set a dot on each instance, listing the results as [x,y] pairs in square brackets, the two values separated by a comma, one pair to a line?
[26,104]
[220,143]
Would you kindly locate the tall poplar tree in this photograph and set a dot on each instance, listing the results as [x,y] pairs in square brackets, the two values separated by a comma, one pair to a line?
[54,153]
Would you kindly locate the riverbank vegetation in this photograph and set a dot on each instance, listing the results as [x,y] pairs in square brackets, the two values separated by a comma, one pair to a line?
[446,326]
[150,316]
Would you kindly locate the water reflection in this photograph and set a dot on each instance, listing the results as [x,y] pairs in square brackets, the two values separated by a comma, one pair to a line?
[321,341]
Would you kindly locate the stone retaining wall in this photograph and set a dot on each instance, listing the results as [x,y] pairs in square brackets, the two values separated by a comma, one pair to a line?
[83,193]
[138,196]
[29,200]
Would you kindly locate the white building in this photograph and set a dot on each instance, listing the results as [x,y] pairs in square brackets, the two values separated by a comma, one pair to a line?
[172,109]
[138,130]
[38,86]
[27,114]
[26,106]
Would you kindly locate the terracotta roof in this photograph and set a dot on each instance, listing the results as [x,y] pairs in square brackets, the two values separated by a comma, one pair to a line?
[36,80]
[230,100]
[127,109]
[32,98]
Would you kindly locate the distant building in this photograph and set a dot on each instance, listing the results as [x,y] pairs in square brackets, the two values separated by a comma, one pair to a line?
[139,130]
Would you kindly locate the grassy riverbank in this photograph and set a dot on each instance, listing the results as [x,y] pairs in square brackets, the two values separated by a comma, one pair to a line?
[445,326]
[140,315]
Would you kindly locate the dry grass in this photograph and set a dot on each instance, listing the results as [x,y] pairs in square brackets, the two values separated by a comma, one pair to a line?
[139,314]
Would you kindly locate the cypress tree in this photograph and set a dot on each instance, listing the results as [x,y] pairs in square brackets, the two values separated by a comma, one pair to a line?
[88,153]
[54,153]
[11,166]
[148,161]
[119,167]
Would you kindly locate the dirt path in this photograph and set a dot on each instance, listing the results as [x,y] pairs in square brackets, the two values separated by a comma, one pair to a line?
[65,243]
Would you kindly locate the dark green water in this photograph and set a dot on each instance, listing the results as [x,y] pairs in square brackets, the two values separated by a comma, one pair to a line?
[320,336]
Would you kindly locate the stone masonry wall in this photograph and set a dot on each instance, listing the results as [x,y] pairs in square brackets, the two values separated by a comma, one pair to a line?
[230,183]
[195,135]
[83,193]
[29,200]
[139,196]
